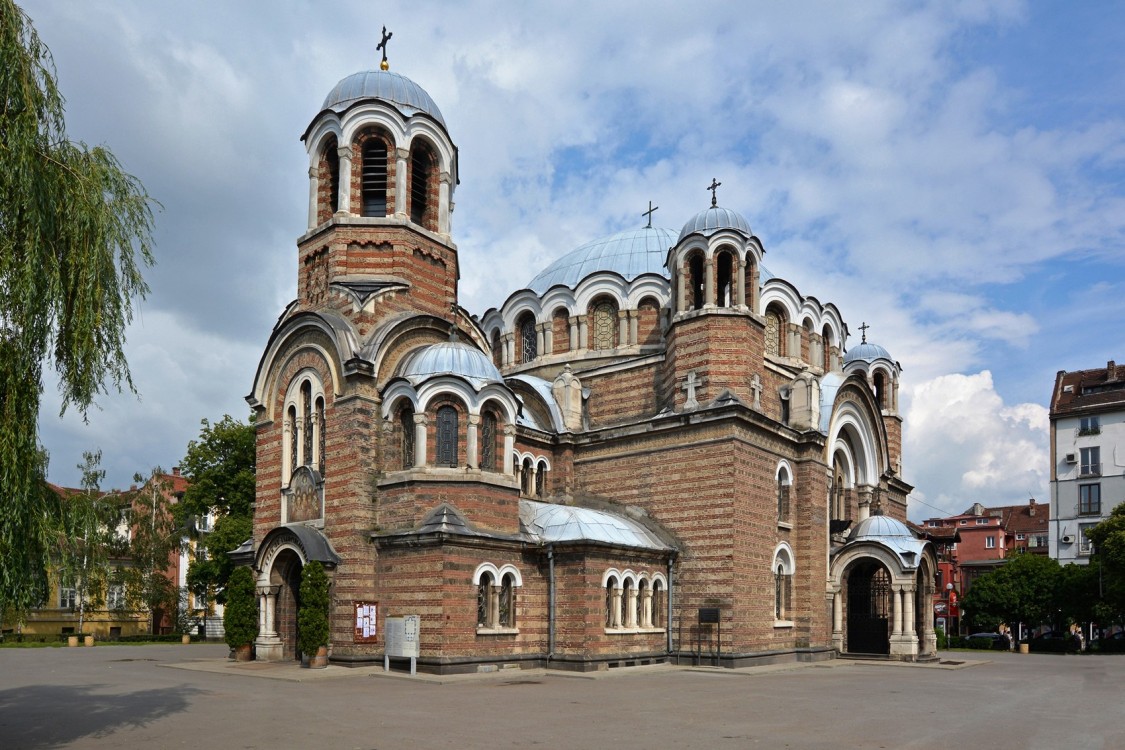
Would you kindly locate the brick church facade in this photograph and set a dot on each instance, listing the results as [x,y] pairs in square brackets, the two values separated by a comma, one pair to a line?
[656,452]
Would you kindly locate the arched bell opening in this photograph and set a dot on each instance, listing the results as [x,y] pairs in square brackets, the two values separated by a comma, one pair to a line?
[869,608]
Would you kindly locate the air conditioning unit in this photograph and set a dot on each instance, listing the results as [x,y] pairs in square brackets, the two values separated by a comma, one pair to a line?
[1071,458]
[1067,539]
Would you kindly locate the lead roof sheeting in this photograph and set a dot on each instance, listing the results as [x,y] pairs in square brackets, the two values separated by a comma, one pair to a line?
[549,523]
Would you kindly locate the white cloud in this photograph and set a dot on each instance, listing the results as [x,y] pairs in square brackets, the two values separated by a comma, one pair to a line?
[963,444]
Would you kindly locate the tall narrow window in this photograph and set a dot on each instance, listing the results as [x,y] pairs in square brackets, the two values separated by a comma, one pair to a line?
[306,424]
[484,601]
[658,604]
[610,585]
[779,593]
[629,605]
[529,347]
[497,349]
[724,276]
[783,497]
[507,603]
[420,168]
[605,325]
[1089,499]
[488,442]
[695,292]
[526,482]
[374,185]
[447,436]
[1091,461]
[320,436]
[880,390]
[406,421]
[294,438]
[540,479]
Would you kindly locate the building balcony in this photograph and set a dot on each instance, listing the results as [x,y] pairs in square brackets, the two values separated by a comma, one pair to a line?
[1090,470]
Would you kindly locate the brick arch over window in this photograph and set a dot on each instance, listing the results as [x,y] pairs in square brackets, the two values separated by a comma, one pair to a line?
[373,173]
[424,184]
[603,323]
[304,424]
[648,322]
[560,331]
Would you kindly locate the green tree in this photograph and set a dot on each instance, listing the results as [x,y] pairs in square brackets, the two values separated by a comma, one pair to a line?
[1108,538]
[1023,589]
[312,618]
[155,538]
[75,233]
[87,538]
[220,465]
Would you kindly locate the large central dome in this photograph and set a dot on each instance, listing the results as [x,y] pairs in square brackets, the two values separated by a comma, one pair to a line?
[408,97]
[629,254]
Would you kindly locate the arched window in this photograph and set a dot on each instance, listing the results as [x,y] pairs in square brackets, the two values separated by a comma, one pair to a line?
[306,424]
[406,423]
[605,324]
[374,177]
[484,601]
[837,500]
[782,585]
[488,441]
[293,436]
[526,481]
[447,432]
[540,478]
[783,495]
[421,169]
[659,607]
[880,390]
[506,616]
[560,331]
[648,332]
[497,349]
[612,615]
[695,288]
[776,324]
[826,342]
[320,436]
[529,347]
[724,278]
[644,604]
[628,604]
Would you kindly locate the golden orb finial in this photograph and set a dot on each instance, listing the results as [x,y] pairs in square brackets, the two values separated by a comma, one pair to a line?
[384,65]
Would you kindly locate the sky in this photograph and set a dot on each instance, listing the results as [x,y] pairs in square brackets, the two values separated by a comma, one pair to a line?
[951,173]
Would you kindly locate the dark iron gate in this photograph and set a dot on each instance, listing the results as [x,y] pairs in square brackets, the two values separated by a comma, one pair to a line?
[869,609]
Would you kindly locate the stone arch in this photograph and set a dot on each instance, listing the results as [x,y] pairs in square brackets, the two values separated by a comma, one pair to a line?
[281,556]
[869,616]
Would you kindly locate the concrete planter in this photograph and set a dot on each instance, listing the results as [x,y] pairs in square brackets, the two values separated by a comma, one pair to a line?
[89,641]
[245,652]
[320,659]
[185,639]
[1025,648]
[72,641]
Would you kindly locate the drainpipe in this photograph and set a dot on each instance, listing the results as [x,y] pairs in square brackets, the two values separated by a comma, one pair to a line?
[668,621]
[550,602]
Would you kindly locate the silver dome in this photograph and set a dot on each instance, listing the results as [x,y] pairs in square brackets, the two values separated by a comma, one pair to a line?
[450,358]
[408,97]
[711,220]
[879,527]
[630,254]
[867,352]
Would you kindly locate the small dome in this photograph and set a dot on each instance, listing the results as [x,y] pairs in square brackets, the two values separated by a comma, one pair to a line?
[879,527]
[867,352]
[450,358]
[630,254]
[711,220]
[408,97]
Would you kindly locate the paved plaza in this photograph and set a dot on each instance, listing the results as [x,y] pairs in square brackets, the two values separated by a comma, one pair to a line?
[192,696]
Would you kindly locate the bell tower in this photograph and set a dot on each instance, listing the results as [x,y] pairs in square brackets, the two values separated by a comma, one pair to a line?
[382,172]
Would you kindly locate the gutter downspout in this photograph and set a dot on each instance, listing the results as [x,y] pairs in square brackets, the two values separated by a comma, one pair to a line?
[668,622]
[550,602]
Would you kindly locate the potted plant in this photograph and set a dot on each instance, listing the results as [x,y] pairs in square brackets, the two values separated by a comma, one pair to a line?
[240,619]
[312,617]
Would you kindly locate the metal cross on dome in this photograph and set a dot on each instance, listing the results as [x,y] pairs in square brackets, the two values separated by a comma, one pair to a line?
[864,328]
[384,65]
[648,213]
[713,187]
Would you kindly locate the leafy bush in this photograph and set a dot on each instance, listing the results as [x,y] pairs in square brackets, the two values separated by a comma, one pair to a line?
[312,618]
[240,618]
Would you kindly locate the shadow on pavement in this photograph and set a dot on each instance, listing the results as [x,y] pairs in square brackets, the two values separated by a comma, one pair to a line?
[40,716]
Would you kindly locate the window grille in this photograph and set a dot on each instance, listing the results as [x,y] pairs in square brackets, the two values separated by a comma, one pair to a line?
[374,179]
[320,435]
[484,599]
[447,430]
[307,423]
[507,610]
[529,349]
[406,418]
[488,442]
[419,185]
[605,320]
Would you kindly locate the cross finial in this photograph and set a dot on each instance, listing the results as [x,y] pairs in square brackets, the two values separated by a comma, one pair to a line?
[648,213]
[864,328]
[384,65]
[713,187]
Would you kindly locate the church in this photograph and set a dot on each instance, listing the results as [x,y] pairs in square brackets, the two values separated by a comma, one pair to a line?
[655,452]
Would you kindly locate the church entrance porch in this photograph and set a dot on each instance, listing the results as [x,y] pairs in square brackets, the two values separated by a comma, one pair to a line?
[869,609]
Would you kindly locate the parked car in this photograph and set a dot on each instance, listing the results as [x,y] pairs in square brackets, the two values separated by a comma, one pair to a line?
[1051,641]
[997,641]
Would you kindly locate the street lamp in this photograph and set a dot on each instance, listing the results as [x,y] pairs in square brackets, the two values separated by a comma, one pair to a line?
[948,612]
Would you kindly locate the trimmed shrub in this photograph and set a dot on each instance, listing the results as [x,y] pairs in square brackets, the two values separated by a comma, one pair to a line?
[312,617]
[240,618]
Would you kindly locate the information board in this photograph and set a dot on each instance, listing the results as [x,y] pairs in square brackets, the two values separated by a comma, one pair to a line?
[366,618]
[402,636]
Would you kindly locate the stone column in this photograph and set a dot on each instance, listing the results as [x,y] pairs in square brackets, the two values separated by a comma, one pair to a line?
[622,328]
[897,628]
[583,333]
[646,608]
[548,339]
[631,608]
[471,450]
[401,197]
[509,448]
[709,283]
[444,209]
[494,607]
[740,297]
[681,289]
[314,188]
[344,197]
[908,612]
[837,612]
[532,471]
[507,347]
[634,316]
[420,422]
[617,608]
[573,333]
[539,340]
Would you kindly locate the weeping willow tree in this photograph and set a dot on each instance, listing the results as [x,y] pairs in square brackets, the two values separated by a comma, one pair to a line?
[75,233]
